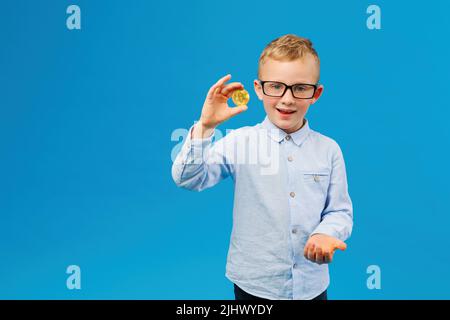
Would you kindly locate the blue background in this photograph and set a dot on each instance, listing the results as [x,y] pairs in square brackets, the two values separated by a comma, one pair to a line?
[86,118]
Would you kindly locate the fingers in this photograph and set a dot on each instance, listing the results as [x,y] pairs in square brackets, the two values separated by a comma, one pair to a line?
[316,254]
[219,88]
[340,245]
[328,257]
[322,252]
[309,251]
[305,250]
[223,80]
[318,257]
[236,110]
[218,85]
[229,88]
[310,255]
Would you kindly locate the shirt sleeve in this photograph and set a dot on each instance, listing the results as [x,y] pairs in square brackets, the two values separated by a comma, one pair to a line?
[201,164]
[337,216]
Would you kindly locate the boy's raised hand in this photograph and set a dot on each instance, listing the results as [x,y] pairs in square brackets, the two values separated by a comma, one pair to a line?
[320,248]
[215,109]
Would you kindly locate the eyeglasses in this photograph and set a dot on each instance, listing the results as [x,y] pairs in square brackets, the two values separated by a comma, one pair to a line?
[278,89]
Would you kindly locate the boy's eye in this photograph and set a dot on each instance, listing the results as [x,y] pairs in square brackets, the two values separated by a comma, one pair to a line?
[300,88]
[275,86]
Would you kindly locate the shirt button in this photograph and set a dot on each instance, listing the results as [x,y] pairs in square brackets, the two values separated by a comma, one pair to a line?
[294,231]
[290,158]
[295,265]
[292,194]
[288,138]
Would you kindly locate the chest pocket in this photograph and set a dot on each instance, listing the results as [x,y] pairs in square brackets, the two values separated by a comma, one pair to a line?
[316,181]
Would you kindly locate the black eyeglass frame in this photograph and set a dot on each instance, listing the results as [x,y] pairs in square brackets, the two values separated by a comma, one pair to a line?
[289,87]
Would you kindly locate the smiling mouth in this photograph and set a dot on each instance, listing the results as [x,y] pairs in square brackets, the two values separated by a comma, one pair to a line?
[285,111]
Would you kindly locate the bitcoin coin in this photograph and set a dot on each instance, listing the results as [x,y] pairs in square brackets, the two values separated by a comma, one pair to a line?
[240,97]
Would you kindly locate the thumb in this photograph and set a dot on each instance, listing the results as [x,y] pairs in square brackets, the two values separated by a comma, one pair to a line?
[340,245]
[236,110]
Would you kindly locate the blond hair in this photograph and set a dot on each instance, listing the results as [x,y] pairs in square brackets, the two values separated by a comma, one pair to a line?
[289,47]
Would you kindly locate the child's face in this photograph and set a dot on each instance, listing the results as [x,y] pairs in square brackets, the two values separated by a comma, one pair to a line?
[301,71]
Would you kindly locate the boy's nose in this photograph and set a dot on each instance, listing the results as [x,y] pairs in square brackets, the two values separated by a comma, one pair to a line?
[288,98]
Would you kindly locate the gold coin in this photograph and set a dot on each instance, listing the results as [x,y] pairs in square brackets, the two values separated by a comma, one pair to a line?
[240,97]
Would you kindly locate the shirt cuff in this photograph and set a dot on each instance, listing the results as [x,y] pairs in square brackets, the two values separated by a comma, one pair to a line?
[199,142]
[196,148]
[327,230]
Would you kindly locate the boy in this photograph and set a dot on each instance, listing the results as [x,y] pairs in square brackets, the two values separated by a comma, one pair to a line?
[287,221]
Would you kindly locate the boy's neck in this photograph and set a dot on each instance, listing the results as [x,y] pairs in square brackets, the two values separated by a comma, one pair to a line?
[292,131]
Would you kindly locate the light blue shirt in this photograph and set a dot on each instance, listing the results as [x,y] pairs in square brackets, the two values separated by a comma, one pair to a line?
[287,187]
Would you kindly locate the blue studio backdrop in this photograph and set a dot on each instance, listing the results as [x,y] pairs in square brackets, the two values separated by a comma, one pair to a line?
[90,120]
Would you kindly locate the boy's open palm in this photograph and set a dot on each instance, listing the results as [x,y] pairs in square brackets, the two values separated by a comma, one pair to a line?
[215,109]
[320,248]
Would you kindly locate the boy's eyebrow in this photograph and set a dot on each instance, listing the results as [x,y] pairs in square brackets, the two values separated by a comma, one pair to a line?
[290,84]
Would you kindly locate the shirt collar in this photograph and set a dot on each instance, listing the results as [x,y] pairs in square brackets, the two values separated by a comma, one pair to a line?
[278,134]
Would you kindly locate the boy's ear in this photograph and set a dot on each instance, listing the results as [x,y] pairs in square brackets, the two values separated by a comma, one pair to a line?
[318,93]
[258,89]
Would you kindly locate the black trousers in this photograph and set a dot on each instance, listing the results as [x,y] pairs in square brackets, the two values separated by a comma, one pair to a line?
[240,294]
